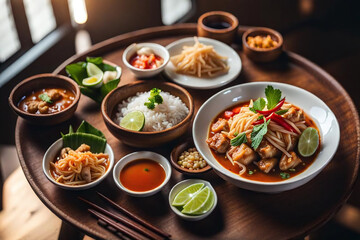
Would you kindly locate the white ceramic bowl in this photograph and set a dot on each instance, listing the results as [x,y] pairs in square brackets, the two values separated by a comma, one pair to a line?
[145,73]
[312,105]
[53,152]
[180,186]
[141,155]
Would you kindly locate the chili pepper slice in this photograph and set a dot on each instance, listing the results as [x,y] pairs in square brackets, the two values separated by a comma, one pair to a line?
[277,107]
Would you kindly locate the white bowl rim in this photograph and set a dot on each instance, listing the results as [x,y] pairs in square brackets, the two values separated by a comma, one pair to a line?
[149,44]
[145,193]
[229,174]
[191,217]
[77,187]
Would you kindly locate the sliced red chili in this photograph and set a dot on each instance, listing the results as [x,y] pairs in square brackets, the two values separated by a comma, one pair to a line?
[277,107]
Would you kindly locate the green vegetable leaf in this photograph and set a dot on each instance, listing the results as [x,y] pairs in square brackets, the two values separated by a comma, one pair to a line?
[251,172]
[281,112]
[259,104]
[71,130]
[77,71]
[258,133]
[106,67]
[273,96]
[284,175]
[44,97]
[146,169]
[95,60]
[238,140]
[292,170]
[86,127]
[92,93]
[108,87]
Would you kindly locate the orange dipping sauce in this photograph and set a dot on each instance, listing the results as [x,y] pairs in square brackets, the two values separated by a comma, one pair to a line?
[142,175]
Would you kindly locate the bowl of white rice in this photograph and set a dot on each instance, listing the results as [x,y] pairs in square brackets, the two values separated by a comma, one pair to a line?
[166,122]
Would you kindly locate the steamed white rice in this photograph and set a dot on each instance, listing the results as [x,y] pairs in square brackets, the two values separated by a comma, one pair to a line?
[166,115]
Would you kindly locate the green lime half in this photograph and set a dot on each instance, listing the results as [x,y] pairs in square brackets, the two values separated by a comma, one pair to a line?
[308,142]
[207,206]
[197,202]
[186,194]
[133,121]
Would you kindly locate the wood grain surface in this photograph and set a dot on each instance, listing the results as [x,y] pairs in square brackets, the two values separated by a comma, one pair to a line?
[240,214]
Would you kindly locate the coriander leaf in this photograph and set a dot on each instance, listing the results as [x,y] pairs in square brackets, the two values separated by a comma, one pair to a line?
[292,170]
[251,172]
[150,105]
[44,97]
[281,112]
[95,60]
[146,169]
[260,117]
[158,99]
[273,96]
[259,104]
[284,175]
[258,133]
[238,140]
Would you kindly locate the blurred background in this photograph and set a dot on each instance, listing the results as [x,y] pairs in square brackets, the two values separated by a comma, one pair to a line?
[38,35]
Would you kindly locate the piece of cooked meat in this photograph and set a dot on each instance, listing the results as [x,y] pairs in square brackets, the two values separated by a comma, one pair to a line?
[219,142]
[83,148]
[292,140]
[32,106]
[294,114]
[289,162]
[54,94]
[85,174]
[243,154]
[267,164]
[64,152]
[43,107]
[267,150]
[220,125]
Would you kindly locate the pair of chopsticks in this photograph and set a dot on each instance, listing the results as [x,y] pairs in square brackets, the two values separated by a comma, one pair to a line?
[128,224]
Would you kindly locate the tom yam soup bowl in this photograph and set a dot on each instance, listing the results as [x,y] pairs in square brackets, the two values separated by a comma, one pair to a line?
[158,50]
[42,81]
[145,139]
[314,107]
[53,152]
[132,158]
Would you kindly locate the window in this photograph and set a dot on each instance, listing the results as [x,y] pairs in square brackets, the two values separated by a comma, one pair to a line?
[173,10]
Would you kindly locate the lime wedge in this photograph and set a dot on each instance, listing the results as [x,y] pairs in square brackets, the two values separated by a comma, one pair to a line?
[308,142]
[95,76]
[207,206]
[186,194]
[197,202]
[133,121]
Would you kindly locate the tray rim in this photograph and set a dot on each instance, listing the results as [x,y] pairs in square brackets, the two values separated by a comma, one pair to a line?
[111,43]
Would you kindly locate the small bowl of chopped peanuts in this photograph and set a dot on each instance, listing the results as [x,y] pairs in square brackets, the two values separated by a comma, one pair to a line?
[262,44]
[186,159]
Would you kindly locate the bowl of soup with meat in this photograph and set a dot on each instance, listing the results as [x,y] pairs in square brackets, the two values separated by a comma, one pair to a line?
[265,136]
[45,99]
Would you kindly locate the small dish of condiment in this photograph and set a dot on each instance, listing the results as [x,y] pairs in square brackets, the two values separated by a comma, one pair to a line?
[186,159]
[45,99]
[218,25]
[142,174]
[145,59]
[262,44]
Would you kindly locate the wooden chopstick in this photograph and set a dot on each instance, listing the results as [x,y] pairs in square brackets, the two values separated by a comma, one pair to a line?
[125,221]
[134,217]
[121,228]
[113,230]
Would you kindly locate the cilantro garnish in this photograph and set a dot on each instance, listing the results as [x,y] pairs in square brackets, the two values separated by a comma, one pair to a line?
[155,98]
[273,96]
[284,175]
[281,112]
[259,104]
[258,133]
[146,169]
[238,140]
[45,98]
[251,172]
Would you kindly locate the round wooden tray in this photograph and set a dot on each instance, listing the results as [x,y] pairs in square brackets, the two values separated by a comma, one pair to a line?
[240,214]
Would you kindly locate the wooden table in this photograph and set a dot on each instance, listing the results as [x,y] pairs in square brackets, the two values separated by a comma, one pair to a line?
[240,214]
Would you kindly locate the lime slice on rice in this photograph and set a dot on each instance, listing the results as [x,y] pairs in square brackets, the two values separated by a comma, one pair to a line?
[207,206]
[186,194]
[308,142]
[197,202]
[95,76]
[133,121]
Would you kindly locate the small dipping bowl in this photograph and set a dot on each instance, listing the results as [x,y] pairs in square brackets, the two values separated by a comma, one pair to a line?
[141,155]
[262,54]
[145,73]
[180,186]
[40,81]
[218,25]
[54,150]
[178,150]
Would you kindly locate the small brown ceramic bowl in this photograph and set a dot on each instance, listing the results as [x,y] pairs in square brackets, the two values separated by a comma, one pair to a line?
[109,108]
[38,82]
[178,150]
[262,54]
[218,25]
